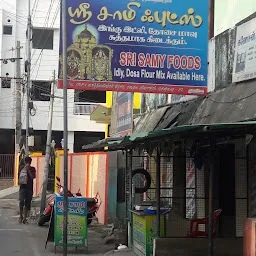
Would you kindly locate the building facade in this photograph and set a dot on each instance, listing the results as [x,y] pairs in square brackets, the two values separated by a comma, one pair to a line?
[231,99]
[229,12]
[45,60]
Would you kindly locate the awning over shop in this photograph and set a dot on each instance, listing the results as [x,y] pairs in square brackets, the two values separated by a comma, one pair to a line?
[179,132]
[179,114]
[101,114]
[227,110]
[154,116]
[232,104]
[229,105]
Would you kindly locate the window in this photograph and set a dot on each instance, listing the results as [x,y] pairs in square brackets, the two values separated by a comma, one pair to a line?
[7,30]
[39,88]
[42,39]
[90,96]
[6,83]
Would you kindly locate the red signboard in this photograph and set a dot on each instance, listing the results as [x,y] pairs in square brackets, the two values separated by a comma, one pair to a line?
[130,87]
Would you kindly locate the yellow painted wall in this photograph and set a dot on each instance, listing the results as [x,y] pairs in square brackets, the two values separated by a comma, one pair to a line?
[136,101]
[16,170]
[36,154]
[108,104]
[136,105]
[58,152]
[109,99]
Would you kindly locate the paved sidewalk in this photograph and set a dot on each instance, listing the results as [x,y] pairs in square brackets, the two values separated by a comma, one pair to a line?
[23,240]
[127,252]
[8,192]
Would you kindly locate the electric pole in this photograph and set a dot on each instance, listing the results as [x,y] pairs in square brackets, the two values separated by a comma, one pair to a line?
[48,148]
[28,75]
[18,125]
[211,170]
[65,126]
[211,18]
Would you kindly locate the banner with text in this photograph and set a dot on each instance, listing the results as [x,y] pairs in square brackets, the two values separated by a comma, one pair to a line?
[245,52]
[77,222]
[148,46]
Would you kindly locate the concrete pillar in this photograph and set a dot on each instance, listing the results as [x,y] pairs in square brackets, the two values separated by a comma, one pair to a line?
[71,141]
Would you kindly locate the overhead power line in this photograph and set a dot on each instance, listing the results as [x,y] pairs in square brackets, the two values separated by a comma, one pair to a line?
[41,52]
[34,8]
[13,8]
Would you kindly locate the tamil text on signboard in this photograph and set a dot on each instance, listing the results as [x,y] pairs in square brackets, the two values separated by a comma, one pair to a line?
[137,46]
[245,52]
[77,222]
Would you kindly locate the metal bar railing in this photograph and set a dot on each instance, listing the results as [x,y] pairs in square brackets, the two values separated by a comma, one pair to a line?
[7,166]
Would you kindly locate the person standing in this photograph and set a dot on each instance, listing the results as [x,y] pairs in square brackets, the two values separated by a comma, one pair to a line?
[27,174]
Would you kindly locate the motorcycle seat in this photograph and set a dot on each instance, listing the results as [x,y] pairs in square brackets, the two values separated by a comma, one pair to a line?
[91,200]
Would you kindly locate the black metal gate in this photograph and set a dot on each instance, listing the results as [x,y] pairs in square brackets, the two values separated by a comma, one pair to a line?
[7,166]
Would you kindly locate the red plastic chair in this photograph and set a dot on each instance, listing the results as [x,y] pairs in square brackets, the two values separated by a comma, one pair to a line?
[194,225]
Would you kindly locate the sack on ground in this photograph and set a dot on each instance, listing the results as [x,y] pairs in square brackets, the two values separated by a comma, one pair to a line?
[23,178]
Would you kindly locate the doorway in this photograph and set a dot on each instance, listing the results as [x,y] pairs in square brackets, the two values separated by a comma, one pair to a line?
[225,189]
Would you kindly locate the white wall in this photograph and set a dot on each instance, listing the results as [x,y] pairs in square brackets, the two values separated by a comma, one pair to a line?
[42,68]
[7,12]
[230,12]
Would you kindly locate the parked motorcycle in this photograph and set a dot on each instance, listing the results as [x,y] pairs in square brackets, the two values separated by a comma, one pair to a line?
[92,205]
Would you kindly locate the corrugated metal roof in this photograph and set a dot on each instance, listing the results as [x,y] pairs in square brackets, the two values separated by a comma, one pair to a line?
[185,131]
[179,114]
[224,107]
[233,104]
[144,125]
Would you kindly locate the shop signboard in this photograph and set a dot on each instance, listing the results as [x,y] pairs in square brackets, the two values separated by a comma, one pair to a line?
[77,222]
[147,46]
[144,233]
[245,52]
[123,114]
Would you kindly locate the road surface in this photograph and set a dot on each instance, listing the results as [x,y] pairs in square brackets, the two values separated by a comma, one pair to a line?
[29,240]
[15,238]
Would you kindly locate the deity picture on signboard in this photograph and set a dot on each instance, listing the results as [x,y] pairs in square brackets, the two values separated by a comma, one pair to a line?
[87,59]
